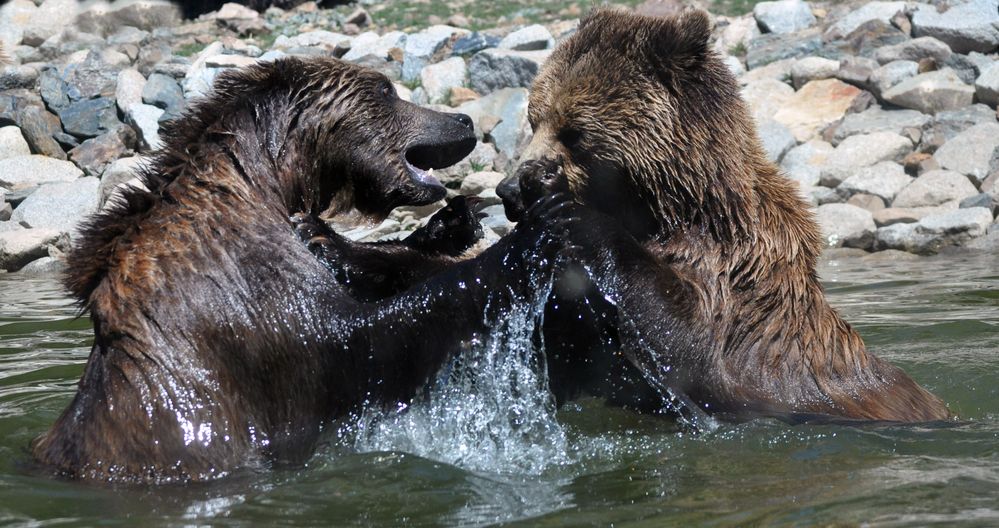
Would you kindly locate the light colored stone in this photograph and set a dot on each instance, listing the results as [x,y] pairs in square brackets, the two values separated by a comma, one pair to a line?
[812,69]
[530,38]
[477,182]
[875,119]
[233,11]
[493,69]
[509,105]
[883,11]
[914,50]
[146,119]
[933,232]
[51,17]
[778,70]
[863,150]
[775,137]
[971,152]
[934,188]
[867,202]
[229,61]
[766,96]
[370,44]
[12,143]
[420,47]
[931,92]
[987,84]
[438,79]
[128,90]
[19,247]
[43,266]
[889,75]
[15,15]
[120,171]
[884,180]
[326,40]
[972,25]
[895,215]
[846,225]
[23,172]
[815,106]
[59,206]
[804,162]
[734,65]
[783,16]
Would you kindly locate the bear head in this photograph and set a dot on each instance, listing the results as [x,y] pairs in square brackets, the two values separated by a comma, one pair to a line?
[637,117]
[337,135]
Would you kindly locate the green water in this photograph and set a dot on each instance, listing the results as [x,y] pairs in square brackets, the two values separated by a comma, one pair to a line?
[938,318]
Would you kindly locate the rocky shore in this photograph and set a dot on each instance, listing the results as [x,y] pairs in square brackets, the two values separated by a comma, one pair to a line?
[883,112]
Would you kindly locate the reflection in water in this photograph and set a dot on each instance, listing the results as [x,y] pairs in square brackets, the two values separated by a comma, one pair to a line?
[587,464]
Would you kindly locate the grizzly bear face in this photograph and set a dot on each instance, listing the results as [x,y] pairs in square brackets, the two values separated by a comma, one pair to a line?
[365,148]
[634,116]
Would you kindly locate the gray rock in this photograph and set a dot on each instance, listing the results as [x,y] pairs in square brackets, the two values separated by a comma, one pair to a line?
[846,225]
[12,143]
[89,118]
[28,171]
[987,85]
[820,195]
[530,38]
[891,74]
[371,44]
[883,11]
[51,17]
[783,16]
[773,47]
[984,199]
[496,221]
[164,92]
[803,163]
[875,119]
[14,15]
[94,155]
[931,92]
[491,70]
[482,158]
[947,125]
[884,180]
[766,96]
[510,106]
[120,172]
[973,152]
[5,211]
[734,65]
[147,15]
[868,202]
[129,89]
[477,182]
[129,35]
[863,150]
[474,43]
[914,50]
[856,70]
[145,119]
[775,137]
[420,47]
[38,126]
[972,25]
[43,266]
[59,206]
[896,215]
[936,231]
[22,246]
[18,77]
[438,79]
[811,69]
[934,188]
[320,39]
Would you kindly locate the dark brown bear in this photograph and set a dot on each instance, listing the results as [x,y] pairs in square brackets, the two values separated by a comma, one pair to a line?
[220,341]
[712,262]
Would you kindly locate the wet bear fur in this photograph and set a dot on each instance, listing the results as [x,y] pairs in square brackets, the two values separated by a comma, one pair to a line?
[220,341]
[706,250]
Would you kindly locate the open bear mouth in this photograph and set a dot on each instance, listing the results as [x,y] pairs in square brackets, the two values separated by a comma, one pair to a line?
[422,160]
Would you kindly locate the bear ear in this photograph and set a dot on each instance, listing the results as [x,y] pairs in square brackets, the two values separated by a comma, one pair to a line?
[682,40]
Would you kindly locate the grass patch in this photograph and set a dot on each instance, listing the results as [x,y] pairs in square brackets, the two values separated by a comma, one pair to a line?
[190,49]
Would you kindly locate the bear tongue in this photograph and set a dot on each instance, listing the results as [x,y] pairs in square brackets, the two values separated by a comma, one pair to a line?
[424,177]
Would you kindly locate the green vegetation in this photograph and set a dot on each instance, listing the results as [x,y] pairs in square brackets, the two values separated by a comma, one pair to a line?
[188,50]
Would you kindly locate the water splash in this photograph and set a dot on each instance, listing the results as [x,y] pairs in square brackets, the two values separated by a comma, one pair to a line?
[490,410]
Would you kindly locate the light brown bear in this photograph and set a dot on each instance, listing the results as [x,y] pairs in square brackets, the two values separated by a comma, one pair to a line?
[712,260]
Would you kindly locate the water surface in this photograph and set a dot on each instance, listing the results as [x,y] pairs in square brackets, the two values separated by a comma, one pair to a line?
[587,464]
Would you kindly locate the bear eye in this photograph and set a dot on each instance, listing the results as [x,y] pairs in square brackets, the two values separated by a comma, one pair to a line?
[387,90]
[570,137]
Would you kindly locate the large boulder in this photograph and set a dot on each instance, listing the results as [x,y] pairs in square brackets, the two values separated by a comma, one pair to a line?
[987,84]
[876,119]
[438,79]
[971,25]
[12,143]
[804,163]
[815,106]
[881,11]
[509,106]
[370,44]
[863,150]
[846,225]
[934,188]
[931,92]
[933,232]
[775,137]
[766,96]
[884,180]
[20,246]
[147,15]
[974,152]
[493,69]
[59,206]
[783,16]
[421,47]
[23,172]
[530,38]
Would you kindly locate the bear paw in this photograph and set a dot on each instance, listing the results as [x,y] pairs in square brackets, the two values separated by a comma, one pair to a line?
[452,230]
